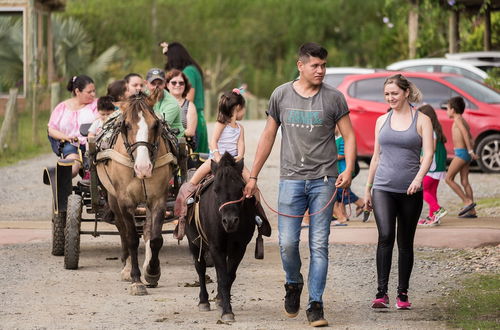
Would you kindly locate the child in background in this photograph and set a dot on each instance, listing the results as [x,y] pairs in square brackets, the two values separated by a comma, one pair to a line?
[437,171]
[339,209]
[105,107]
[464,154]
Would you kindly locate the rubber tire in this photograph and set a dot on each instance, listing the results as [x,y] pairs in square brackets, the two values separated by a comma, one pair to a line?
[482,144]
[58,224]
[72,232]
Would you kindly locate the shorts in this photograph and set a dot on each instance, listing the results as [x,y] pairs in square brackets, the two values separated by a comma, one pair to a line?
[64,149]
[463,154]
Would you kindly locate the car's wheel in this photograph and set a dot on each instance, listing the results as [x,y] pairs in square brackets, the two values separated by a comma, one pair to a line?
[488,151]
[58,224]
[72,232]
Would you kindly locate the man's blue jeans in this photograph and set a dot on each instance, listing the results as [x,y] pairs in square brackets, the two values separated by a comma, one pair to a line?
[295,197]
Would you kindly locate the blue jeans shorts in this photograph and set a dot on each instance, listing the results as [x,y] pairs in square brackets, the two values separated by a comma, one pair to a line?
[64,149]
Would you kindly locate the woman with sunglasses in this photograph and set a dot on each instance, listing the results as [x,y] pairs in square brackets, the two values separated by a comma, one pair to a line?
[178,86]
[179,58]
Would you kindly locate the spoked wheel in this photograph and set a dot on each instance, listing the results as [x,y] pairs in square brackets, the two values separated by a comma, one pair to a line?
[58,224]
[72,232]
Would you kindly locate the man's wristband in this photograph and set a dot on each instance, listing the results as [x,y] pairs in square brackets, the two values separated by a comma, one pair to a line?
[253,177]
[369,185]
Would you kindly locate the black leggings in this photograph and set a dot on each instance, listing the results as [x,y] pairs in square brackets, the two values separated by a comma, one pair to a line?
[389,207]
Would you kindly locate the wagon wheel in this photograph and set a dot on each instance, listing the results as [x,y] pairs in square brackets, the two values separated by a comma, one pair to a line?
[72,232]
[58,224]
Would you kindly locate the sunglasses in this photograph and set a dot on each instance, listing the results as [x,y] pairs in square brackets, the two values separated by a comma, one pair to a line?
[175,83]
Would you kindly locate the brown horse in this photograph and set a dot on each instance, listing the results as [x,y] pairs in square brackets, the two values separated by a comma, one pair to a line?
[138,171]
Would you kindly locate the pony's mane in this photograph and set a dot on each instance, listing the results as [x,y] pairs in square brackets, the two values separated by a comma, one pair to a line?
[227,166]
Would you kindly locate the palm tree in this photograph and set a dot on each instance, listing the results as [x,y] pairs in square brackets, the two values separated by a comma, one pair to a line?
[11,52]
[73,52]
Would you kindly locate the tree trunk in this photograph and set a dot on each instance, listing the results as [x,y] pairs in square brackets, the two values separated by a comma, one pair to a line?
[453,36]
[487,28]
[413,29]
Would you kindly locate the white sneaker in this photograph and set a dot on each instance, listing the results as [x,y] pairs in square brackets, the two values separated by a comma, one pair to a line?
[438,215]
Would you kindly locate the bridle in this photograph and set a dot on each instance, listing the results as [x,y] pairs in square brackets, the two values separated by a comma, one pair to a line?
[152,147]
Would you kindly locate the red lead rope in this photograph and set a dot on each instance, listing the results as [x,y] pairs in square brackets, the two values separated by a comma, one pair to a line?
[344,193]
[232,202]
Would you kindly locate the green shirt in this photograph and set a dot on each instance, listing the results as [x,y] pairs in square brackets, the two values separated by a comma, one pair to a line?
[169,110]
[194,77]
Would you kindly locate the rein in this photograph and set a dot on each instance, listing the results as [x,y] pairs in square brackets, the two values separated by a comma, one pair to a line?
[232,202]
[344,192]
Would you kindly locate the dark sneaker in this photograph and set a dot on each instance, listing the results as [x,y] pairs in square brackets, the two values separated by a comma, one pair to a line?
[315,315]
[292,298]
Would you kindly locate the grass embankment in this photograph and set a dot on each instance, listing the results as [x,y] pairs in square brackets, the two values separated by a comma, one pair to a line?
[476,305]
[23,147]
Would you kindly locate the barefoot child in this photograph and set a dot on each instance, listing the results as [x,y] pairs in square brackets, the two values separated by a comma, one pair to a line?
[437,171]
[464,154]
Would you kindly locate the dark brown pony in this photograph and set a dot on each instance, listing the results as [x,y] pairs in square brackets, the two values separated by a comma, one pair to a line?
[139,172]
[225,227]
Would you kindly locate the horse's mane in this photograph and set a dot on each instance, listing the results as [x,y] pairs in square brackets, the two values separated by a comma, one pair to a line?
[227,166]
[135,104]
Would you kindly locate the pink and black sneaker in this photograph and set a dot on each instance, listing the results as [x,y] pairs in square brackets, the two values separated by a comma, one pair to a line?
[402,301]
[381,300]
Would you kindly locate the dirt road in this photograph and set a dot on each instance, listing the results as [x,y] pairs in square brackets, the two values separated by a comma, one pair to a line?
[37,293]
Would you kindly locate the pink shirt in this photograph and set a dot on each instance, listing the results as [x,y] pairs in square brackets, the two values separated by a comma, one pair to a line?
[68,121]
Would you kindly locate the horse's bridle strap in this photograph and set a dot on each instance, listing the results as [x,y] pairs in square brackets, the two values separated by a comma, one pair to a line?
[125,160]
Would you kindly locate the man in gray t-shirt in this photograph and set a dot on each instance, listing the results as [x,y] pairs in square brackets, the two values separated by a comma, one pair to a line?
[307,111]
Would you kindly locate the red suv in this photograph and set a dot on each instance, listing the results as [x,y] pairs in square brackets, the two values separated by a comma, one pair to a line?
[365,98]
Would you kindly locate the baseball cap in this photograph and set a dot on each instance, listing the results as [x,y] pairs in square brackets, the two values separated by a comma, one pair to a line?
[154,74]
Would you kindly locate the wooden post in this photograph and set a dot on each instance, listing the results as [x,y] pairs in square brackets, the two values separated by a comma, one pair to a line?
[413,29]
[487,28]
[55,93]
[453,36]
[10,119]
[50,52]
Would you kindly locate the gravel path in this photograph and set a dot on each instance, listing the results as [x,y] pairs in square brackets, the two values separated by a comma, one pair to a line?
[37,293]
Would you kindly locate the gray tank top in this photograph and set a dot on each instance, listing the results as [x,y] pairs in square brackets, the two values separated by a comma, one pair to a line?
[184,111]
[399,159]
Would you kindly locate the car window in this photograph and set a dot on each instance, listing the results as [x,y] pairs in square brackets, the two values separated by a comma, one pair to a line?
[368,89]
[420,68]
[435,93]
[477,90]
[335,79]
[460,71]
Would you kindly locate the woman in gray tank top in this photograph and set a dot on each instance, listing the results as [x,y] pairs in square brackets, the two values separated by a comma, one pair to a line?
[396,176]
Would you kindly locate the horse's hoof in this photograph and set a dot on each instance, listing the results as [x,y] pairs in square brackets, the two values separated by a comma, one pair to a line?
[204,307]
[152,280]
[229,317]
[138,289]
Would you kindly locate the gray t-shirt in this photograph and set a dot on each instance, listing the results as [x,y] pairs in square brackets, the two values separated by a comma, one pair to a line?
[308,149]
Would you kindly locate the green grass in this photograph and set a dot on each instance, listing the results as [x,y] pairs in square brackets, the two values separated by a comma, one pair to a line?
[489,202]
[476,305]
[23,147]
